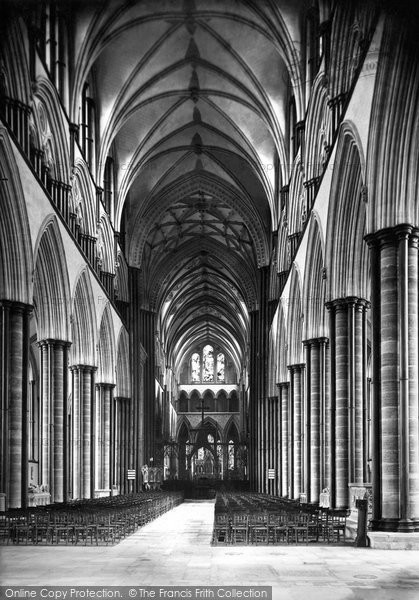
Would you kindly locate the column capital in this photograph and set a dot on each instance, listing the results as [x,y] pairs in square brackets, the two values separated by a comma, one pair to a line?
[282,385]
[81,367]
[105,386]
[53,342]
[315,341]
[16,306]
[391,236]
[297,368]
[339,304]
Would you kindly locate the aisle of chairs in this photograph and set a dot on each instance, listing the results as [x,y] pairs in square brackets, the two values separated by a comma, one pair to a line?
[94,522]
[253,518]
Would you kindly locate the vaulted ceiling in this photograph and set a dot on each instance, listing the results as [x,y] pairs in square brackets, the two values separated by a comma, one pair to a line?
[192,99]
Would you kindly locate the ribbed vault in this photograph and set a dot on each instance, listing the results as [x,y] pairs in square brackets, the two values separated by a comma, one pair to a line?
[192,100]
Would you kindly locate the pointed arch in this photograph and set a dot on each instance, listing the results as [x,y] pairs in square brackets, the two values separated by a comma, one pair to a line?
[121,279]
[281,348]
[222,402]
[208,398]
[314,292]
[14,65]
[319,135]
[233,401]
[346,250]
[296,207]
[84,331]
[106,367]
[183,431]
[51,284]
[231,431]
[272,363]
[123,379]
[46,101]
[105,245]
[16,260]
[283,258]
[84,197]
[393,146]
[183,403]
[295,319]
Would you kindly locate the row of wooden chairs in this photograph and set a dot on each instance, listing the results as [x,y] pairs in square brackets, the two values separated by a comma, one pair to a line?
[252,518]
[94,523]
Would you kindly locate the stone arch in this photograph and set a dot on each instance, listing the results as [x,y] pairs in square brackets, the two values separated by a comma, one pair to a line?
[222,401]
[183,431]
[231,431]
[84,198]
[123,372]
[314,292]
[208,398]
[346,250]
[183,401]
[84,329]
[52,128]
[14,64]
[121,279]
[295,319]
[106,356]
[211,185]
[281,347]
[393,146]
[319,134]
[105,245]
[233,401]
[194,397]
[351,31]
[15,238]
[272,361]
[283,258]
[296,208]
[51,284]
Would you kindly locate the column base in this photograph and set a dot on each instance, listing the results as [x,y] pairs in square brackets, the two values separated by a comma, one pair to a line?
[102,493]
[395,525]
[393,540]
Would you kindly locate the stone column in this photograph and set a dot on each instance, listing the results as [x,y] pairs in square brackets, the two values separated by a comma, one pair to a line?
[14,363]
[296,416]
[54,392]
[142,341]
[83,431]
[103,433]
[273,445]
[395,435]
[315,395]
[284,468]
[348,374]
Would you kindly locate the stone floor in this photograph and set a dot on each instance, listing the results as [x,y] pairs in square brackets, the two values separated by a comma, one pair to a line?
[175,550]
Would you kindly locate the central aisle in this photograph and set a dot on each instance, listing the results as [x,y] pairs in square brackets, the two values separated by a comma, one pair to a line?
[175,550]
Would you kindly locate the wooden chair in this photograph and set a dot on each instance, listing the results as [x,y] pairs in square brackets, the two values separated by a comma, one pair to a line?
[298,527]
[277,528]
[258,528]
[240,528]
[221,531]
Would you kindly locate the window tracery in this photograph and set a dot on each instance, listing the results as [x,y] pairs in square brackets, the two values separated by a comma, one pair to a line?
[207,366]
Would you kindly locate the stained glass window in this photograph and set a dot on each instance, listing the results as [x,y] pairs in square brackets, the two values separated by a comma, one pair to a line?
[220,368]
[208,364]
[196,368]
[231,454]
